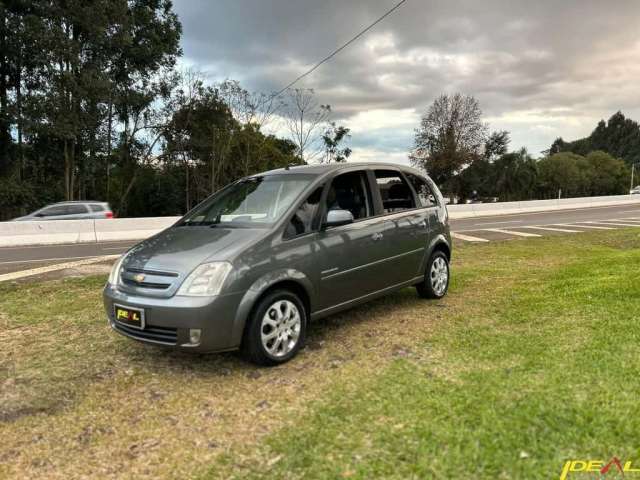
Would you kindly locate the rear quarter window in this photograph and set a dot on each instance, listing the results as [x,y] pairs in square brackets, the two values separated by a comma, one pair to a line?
[426,196]
[96,207]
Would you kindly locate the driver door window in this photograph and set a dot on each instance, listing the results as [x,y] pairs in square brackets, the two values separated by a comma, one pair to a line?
[349,191]
[53,211]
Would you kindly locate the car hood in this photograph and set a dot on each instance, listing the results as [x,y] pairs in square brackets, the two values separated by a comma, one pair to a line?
[181,249]
[167,258]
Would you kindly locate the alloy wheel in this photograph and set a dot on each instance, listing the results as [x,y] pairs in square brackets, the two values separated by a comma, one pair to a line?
[439,276]
[280,329]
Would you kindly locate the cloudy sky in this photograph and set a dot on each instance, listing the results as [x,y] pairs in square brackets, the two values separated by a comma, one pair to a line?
[540,69]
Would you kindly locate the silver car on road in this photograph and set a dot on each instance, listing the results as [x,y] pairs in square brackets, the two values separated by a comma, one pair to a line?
[73,210]
[250,266]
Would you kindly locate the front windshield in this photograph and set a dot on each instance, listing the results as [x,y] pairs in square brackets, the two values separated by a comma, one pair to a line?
[253,202]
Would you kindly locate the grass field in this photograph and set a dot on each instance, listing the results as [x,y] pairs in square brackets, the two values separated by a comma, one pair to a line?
[531,360]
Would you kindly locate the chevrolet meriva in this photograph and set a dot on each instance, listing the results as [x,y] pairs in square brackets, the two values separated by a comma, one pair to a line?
[250,266]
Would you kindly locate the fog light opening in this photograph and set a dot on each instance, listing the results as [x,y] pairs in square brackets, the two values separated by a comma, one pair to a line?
[194,336]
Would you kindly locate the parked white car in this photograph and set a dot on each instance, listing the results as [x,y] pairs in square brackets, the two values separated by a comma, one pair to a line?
[635,191]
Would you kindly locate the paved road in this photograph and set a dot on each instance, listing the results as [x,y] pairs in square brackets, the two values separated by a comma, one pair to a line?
[545,223]
[14,259]
[481,229]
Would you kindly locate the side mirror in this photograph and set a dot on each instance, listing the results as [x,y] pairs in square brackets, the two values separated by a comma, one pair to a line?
[335,218]
[40,214]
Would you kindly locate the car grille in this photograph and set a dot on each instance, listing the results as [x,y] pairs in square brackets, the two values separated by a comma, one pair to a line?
[166,336]
[152,272]
[153,285]
[154,279]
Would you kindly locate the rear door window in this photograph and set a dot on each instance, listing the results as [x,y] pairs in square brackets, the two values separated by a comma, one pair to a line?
[395,193]
[75,209]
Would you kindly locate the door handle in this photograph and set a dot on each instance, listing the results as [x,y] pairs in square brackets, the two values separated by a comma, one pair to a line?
[377,236]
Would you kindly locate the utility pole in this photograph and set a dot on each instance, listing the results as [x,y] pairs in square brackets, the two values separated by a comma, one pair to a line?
[633,167]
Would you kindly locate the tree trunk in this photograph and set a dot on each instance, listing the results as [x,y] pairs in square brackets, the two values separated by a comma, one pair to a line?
[5,135]
[72,176]
[213,161]
[20,124]
[109,133]
[67,171]
[187,201]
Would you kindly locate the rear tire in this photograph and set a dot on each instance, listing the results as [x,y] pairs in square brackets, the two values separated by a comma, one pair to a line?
[276,329]
[436,278]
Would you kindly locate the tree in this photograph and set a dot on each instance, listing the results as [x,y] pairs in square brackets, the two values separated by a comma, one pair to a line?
[304,117]
[563,174]
[496,145]
[609,174]
[214,146]
[515,176]
[596,174]
[332,138]
[252,109]
[91,106]
[451,136]
[619,137]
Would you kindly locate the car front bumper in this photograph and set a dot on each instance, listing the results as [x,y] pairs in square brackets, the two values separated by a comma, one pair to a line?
[168,321]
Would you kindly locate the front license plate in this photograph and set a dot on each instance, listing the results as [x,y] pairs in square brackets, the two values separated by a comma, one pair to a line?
[132,317]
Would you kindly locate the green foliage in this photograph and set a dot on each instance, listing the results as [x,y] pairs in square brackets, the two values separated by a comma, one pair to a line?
[91,107]
[15,196]
[608,174]
[517,176]
[619,137]
[563,171]
[575,176]
[332,138]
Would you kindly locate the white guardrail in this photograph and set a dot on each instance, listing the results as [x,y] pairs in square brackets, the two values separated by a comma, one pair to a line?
[506,208]
[93,231]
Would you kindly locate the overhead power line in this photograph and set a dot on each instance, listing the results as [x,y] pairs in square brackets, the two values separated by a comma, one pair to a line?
[338,50]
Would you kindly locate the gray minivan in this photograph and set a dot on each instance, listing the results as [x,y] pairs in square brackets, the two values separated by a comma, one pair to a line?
[251,265]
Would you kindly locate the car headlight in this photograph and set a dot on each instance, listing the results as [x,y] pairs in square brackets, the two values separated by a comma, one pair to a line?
[206,280]
[114,276]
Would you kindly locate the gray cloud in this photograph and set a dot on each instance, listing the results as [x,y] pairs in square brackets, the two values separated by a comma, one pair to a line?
[539,69]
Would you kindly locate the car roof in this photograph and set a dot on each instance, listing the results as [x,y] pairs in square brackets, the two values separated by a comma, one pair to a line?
[322,169]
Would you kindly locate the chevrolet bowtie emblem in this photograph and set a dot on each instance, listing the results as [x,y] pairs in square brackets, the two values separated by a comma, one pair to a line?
[139,278]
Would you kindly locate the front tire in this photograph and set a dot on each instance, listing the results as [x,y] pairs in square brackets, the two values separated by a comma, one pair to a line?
[436,279]
[276,329]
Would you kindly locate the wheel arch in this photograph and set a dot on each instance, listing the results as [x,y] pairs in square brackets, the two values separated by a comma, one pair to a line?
[442,247]
[289,279]
[440,243]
